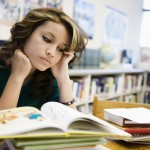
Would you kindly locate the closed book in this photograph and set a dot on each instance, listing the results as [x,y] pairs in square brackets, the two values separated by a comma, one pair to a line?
[128,117]
[51,144]
[138,130]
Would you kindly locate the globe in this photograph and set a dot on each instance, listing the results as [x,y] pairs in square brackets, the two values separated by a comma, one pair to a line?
[106,53]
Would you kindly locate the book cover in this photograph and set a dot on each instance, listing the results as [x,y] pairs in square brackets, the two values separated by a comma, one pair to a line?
[128,117]
[93,144]
[43,141]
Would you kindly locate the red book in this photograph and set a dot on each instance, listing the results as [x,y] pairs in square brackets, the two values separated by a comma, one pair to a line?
[137,130]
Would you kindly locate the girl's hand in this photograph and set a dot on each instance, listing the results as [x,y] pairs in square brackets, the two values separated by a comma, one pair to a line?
[21,65]
[60,70]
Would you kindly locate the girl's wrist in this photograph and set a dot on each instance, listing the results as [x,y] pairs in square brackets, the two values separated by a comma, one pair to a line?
[69,102]
[64,80]
[17,78]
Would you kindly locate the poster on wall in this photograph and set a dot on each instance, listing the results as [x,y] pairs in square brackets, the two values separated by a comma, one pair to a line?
[55,4]
[31,4]
[9,11]
[115,25]
[84,16]
[115,33]
[12,11]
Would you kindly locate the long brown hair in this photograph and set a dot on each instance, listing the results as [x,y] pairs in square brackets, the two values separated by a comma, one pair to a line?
[22,30]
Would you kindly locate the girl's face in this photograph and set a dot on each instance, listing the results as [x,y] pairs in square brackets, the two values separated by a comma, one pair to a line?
[45,46]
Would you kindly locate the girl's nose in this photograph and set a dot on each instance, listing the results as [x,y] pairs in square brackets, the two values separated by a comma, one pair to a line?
[51,51]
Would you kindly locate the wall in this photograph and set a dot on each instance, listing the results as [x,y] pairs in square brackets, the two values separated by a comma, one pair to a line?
[4,32]
[132,8]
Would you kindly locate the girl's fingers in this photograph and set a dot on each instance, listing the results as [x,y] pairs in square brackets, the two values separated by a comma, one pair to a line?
[70,54]
[67,56]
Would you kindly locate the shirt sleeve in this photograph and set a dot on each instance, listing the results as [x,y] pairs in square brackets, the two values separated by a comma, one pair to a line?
[4,75]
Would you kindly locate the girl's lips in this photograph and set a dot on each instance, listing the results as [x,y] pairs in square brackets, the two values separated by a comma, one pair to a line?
[45,61]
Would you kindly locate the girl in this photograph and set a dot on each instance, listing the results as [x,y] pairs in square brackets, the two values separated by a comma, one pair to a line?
[34,63]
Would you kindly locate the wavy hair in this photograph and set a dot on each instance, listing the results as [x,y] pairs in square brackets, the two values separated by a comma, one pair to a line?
[21,31]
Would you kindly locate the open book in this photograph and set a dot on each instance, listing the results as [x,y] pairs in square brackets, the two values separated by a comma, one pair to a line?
[54,119]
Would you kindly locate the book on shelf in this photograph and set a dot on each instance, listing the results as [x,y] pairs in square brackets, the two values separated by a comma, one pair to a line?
[104,85]
[130,98]
[79,87]
[128,117]
[54,120]
[133,82]
[120,84]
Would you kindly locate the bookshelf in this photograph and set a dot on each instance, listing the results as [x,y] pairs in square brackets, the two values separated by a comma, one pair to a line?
[147,87]
[128,85]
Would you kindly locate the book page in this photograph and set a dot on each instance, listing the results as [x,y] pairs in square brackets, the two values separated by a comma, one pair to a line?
[61,114]
[23,119]
[64,116]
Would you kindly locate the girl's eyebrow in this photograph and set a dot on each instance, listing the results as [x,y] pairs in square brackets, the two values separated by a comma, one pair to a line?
[51,34]
[55,38]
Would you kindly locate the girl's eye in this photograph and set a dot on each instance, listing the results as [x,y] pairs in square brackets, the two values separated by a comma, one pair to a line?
[60,50]
[46,39]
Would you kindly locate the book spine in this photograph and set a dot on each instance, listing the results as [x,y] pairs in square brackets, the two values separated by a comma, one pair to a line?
[137,130]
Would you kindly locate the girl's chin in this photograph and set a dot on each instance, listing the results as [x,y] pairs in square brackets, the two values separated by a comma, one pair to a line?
[42,69]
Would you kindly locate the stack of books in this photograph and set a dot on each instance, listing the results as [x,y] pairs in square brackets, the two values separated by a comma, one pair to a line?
[54,126]
[135,121]
[53,143]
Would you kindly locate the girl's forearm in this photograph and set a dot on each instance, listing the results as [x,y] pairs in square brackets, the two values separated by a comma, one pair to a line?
[10,95]
[65,89]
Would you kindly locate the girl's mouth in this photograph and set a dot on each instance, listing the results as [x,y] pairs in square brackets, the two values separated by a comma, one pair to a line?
[45,61]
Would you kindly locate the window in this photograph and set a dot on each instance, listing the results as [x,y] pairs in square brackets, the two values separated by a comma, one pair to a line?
[145,26]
